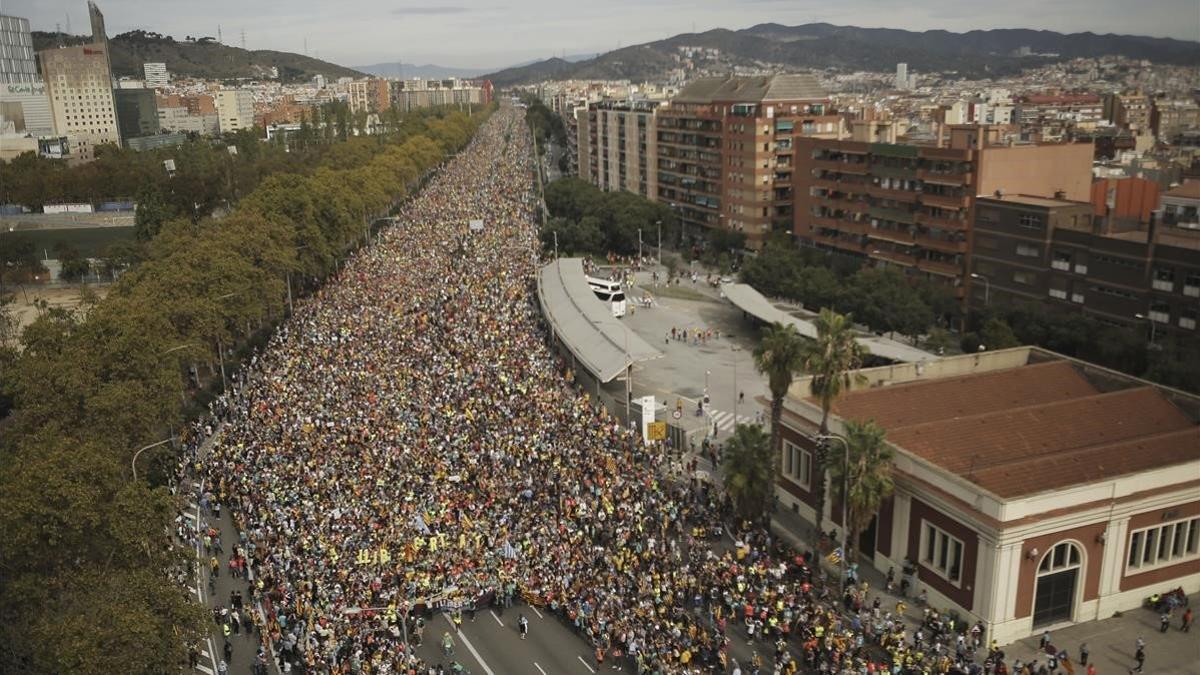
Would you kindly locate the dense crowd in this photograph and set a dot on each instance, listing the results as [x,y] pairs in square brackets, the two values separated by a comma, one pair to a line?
[408,438]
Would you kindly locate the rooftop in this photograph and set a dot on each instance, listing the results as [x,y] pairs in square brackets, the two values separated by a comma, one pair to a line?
[1032,200]
[1032,425]
[1189,190]
[783,87]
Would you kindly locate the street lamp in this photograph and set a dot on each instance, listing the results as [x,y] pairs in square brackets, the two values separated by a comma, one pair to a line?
[133,464]
[182,394]
[658,259]
[845,499]
[1145,317]
[987,288]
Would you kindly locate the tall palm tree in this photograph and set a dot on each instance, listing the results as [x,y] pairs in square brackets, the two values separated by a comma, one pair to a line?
[749,471]
[831,359]
[867,479]
[779,356]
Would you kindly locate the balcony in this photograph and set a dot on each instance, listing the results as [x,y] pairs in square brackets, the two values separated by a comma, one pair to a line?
[945,201]
[840,166]
[943,245]
[944,269]
[827,183]
[893,257]
[894,236]
[893,171]
[896,215]
[1191,291]
[1062,265]
[944,177]
[1163,285]
[888,193]
[942,223]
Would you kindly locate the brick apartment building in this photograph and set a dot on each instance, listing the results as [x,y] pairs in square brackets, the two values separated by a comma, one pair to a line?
[1126,272]
[912,205]
[618,146]
[1033,491]
[726,148]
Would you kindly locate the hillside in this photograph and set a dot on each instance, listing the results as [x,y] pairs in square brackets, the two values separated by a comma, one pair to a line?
[822,45]
[201,58]
[428,71]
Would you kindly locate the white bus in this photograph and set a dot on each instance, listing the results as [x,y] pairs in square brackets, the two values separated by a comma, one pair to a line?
[609,292]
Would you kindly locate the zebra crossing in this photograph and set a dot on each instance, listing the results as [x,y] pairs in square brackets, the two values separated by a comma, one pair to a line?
[726,421]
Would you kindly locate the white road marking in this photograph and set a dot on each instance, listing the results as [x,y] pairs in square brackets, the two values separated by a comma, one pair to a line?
[470,647]
[535,611]
[495,617]
[535,665]
[585,664]
[204,669]
[199,595]
[189,515]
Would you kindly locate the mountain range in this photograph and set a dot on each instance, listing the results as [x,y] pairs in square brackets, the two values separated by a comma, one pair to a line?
[431,71]
[821,45]
[198,57]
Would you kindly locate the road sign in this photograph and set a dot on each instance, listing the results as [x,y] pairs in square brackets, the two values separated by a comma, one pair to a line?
[657,431]
[677,414]
[647,403]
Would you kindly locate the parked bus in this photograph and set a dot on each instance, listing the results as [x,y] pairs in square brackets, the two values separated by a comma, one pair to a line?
[609,292]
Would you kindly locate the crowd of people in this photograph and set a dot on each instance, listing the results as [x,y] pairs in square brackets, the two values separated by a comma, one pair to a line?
[408,439]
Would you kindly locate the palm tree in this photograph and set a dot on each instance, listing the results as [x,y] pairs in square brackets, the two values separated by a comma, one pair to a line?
[831,359]
[868,476]
[779,356]
[749,471]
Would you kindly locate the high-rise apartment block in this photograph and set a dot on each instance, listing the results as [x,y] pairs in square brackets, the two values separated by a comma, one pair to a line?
[188,114]
[79,83]
[370,95]
[725,149]
[412,94]
[156,74]
[901,76]
[235,109]
[618,146]
[16,51]
[912,205]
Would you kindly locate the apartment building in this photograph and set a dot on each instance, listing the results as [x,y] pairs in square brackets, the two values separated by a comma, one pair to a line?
[81,96]
[618,146]
[1121,271]
[370,95]
[1032,491]
[1171,116]
[912,205]
[725,150]
[1129,111]
[235,110]
[413,94]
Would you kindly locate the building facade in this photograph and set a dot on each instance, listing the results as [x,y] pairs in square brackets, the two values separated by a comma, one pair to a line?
[370,95]
[188,114]
[137,113]
[912,205]
[1118,271]
[235,110]
[413,94]
[17,64]
[1032,491]
[618,146]
[81,96]
[25,109]
[725,150]
[156,75]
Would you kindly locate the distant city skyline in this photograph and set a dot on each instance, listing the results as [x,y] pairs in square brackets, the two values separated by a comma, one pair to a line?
[485,34]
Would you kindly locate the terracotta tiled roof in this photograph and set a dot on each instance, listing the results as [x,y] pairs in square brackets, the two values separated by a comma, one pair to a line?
[1029,429]
[931,400]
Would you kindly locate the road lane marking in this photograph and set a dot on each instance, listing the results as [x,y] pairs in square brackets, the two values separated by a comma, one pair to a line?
[495,617]
[204,669]
[470,647]
[535,665]
[585,664]
[539,614]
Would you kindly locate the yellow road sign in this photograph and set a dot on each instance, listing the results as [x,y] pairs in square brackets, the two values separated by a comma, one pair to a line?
[657,431]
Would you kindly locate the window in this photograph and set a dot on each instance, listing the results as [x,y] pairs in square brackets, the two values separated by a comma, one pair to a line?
[1191,285]
[1062,261]
[1025,278]
[1166,544]
[941,552]
[1027,251]
[1030,221]
[797,464]
[1164,279]
[1058,293]
[1062,557]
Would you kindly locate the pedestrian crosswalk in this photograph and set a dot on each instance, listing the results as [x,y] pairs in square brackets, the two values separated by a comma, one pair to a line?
[726,421]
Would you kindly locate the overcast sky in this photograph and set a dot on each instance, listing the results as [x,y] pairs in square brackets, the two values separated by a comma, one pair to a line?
[495,33]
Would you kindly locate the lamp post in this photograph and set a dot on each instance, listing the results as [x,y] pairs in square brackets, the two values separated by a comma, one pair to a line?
[987,288]
[845,499]
[639,246]
[182,394]
[133,464]
[221,348]
[1146,317]
[658,258]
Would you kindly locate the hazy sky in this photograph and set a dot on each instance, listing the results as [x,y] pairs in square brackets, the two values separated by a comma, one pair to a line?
[494,33]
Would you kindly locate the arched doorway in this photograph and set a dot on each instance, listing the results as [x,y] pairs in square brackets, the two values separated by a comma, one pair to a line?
[1057,583]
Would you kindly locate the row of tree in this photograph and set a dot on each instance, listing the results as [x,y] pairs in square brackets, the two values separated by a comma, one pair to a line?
[585,220]
[89,582]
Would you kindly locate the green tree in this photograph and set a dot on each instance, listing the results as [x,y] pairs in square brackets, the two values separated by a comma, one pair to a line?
[749,471]
[831,359]
[868,475]
[780,356]
[996,334]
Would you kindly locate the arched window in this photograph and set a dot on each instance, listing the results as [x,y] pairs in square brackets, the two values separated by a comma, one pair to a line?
[1063,556]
